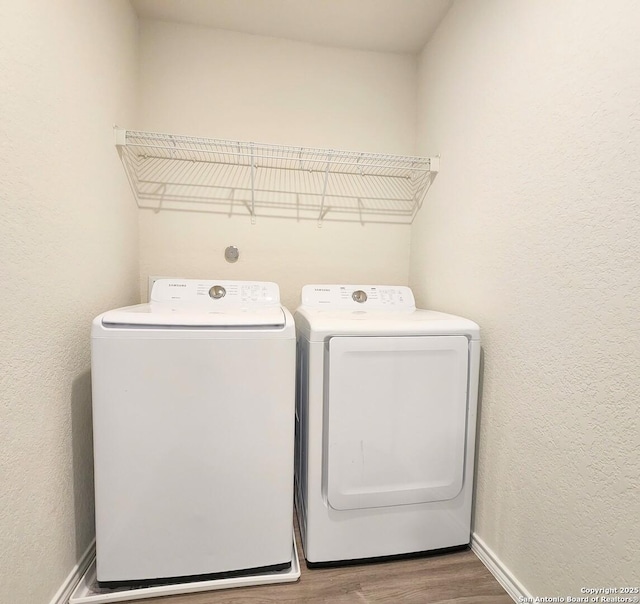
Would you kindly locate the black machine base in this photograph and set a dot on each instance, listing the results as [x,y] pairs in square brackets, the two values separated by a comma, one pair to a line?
[379,559]
[192,578]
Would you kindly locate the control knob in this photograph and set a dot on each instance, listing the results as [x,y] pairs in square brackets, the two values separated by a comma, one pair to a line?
[217,292]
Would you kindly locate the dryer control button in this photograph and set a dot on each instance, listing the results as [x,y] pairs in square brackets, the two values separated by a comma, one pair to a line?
[217,292]
[359,296]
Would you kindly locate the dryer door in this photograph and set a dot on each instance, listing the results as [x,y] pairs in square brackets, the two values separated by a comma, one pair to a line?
[395,420]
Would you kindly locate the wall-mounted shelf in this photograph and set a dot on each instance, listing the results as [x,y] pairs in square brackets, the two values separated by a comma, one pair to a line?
[231,177]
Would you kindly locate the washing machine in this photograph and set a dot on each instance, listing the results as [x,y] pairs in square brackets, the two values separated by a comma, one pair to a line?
[385,422]
[193,421]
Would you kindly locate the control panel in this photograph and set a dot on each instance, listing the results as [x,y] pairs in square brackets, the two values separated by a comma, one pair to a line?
[358,297]
[219,293]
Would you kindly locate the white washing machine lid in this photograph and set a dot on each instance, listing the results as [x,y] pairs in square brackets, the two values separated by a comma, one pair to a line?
[332,310]
[160,314]
[204,303]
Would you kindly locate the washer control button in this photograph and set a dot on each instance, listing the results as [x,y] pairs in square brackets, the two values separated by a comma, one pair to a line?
[359,296]
[217,292]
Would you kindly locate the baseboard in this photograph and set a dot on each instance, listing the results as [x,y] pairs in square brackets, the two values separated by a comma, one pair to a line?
[66,589]
[484,553]
[502,574]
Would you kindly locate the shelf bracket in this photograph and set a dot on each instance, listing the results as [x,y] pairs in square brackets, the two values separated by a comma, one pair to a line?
[121,136]
[253,188]
[324,189]
[434,168]
[161,190]
[321,217]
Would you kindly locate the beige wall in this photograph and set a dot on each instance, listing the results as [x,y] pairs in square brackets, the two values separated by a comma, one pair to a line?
[68,250]
[220,84]
[532,228]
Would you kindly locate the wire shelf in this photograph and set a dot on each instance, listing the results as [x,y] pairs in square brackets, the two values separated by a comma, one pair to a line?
[170,172]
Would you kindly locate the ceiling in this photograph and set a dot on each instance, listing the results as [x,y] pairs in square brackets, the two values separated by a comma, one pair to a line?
[380,25]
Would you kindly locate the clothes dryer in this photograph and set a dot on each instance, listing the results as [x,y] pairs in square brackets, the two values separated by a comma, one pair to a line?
[385,421]
[193,417]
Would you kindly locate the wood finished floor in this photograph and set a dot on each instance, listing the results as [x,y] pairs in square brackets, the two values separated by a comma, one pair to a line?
[457,578]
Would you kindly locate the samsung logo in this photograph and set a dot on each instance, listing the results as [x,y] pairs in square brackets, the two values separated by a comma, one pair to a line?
[317,289]
[177,285]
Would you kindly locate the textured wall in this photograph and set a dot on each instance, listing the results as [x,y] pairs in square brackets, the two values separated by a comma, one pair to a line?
[533,230]
[68,250]
[220,84]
